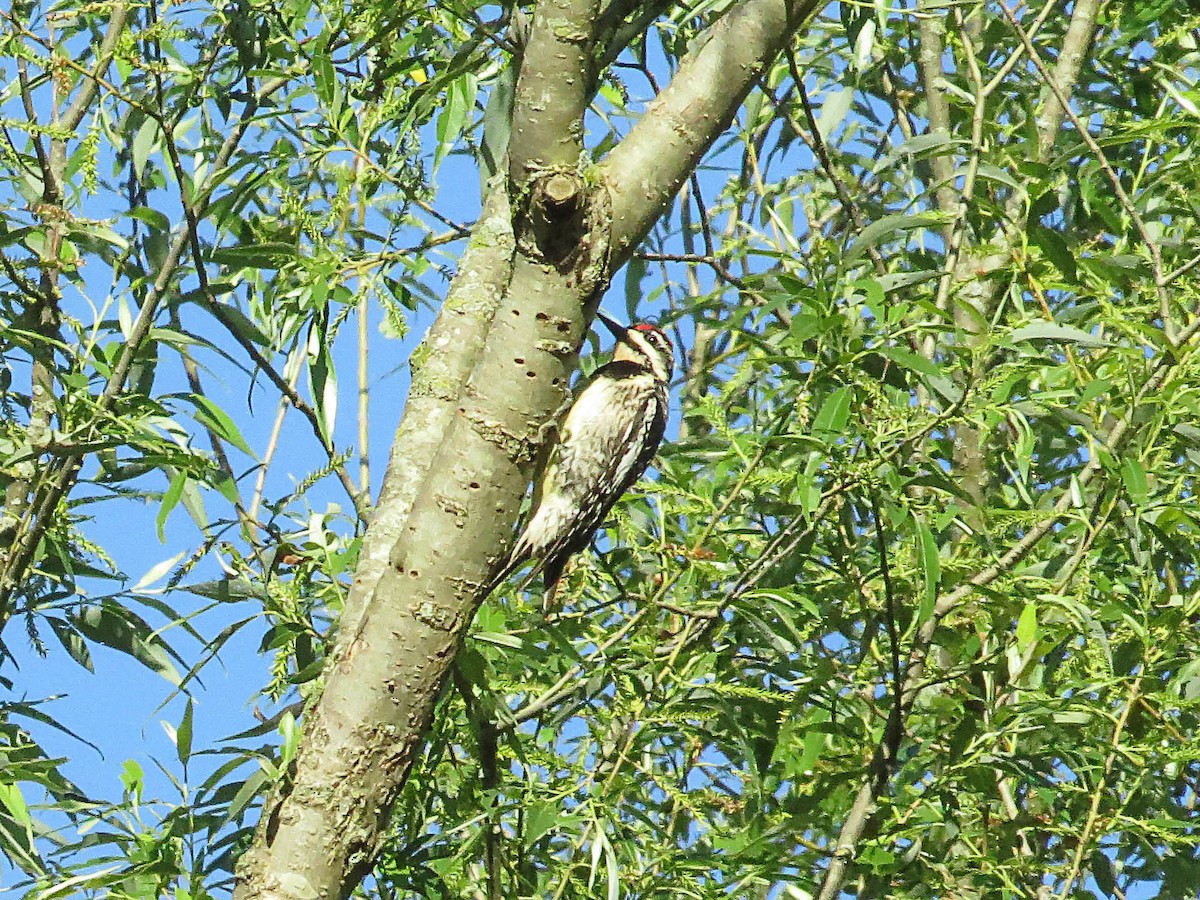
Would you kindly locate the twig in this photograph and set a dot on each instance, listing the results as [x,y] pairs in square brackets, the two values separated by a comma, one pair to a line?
[715,264]
[26,544]
[1183,270]
[260,481]
[361,502]
[1156,263]
[822,152]
[1085,836]
[895,723]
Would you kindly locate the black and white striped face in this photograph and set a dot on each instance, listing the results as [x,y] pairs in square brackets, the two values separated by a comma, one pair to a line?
[652,348]
[644,344]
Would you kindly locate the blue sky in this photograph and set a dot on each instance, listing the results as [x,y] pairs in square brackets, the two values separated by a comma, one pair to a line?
[120,708]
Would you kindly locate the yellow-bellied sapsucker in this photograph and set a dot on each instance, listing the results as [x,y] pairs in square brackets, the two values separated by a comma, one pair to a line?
[606,440]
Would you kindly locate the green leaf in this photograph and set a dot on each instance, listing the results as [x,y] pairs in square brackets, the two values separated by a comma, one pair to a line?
[920,145]
[539,819]
[132,776]
[10,797]
[1102,871]
[122,630]
[193,502]
[1056,250]
[229,590]
[249,789]
[1135,480]
[170,500]
[808,488]
[152,217]
[159,569]
[145,142]
[888,226]
[1027,626]
[183,735]
[834,413]
[72,642]
[497,121]
[834,109]
[237,322]
[931,568]
[908,360]
[498,639]
[323,379]
[218,422]
[1097,387]
[265,255]
[1052,331]
[308,673]
[454,115]
[994,173]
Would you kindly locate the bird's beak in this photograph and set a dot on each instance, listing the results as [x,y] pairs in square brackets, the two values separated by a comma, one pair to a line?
[618,330]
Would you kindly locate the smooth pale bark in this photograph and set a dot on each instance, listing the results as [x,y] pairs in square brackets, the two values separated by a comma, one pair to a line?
[647,168]
[502,351]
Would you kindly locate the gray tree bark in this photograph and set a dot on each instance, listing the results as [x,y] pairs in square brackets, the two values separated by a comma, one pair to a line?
[492,372]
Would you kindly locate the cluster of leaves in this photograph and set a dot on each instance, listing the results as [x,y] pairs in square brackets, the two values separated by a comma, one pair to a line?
[194,201]
[876,483]
[951,445]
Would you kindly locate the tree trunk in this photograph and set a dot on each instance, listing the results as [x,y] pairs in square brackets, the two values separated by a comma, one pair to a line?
[494,369]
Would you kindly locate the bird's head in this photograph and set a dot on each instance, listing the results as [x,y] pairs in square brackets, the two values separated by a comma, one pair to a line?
[644,344]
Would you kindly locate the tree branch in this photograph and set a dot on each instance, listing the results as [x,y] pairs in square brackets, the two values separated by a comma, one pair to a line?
[118,13]
[931,52]
[506,341]
[864,803]
[35,526]
[551,93]
[440,369]
[646,170]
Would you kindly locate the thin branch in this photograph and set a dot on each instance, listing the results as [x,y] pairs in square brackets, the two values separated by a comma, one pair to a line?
[356,495]
[1071,55]
[718,267]
[24,285]
[192,373]
[1089,826]
[617,34]
[362,505]
[364,395]
[895,724]
[39,148]
[647,168]
[1086,11]
[272,447]
[822,152]
[118,13]
[1182,270]
[61,482]
[1019,51]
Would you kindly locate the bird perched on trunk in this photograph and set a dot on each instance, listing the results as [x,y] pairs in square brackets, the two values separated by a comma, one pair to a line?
[605,442]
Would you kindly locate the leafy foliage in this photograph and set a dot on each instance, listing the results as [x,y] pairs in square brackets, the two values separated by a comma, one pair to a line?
[924,547]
